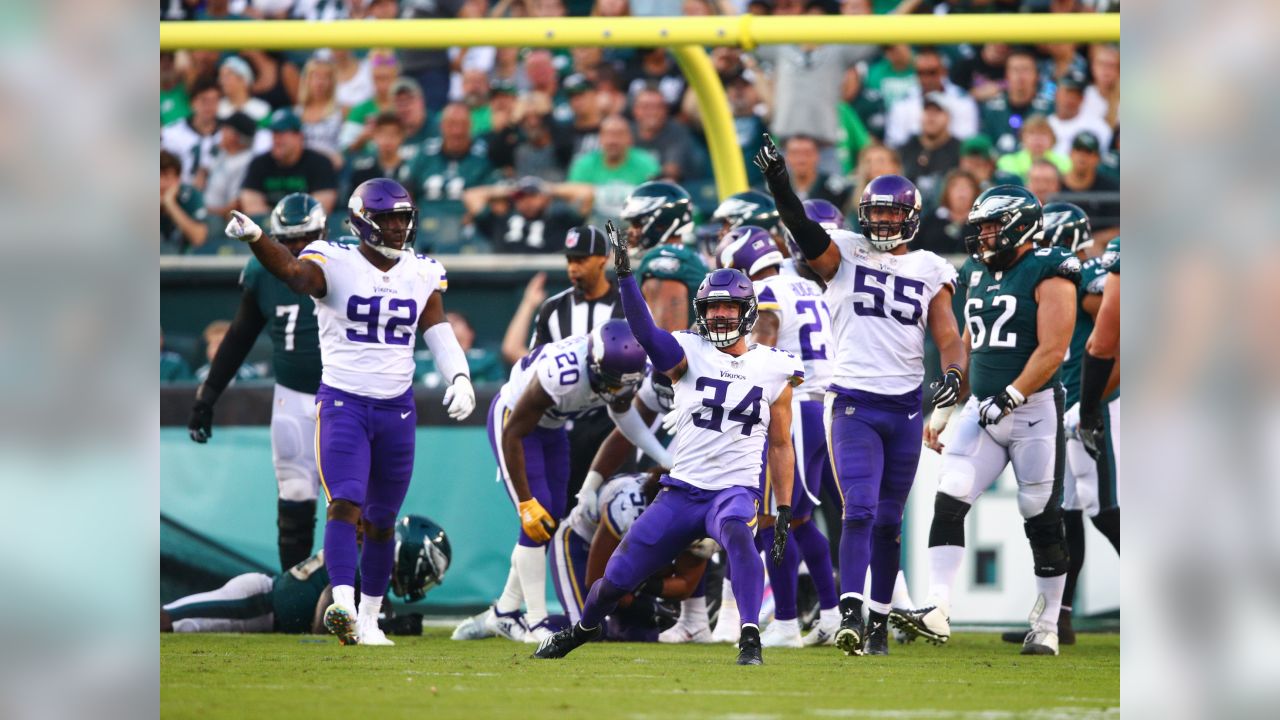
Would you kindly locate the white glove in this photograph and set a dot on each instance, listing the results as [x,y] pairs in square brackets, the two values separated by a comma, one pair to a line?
[589,504]
[242,228]
[993,409]
[1071,421]
[669,421]
[460,398]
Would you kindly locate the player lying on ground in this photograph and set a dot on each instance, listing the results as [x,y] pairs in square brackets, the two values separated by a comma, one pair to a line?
[295,600]
[369,297]
[729,397]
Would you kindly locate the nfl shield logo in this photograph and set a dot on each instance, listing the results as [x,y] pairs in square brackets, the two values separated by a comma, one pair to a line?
[571,240]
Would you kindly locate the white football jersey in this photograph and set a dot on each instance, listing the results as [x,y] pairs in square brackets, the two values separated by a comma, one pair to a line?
[561,369]
[620,502]
[723,404]
[369,318]
[804,327]
[879,306]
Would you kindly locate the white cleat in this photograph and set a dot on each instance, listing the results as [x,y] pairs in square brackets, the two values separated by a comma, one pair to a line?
[341,621]
[679,633]
[896,616]
[538,633]
[782,633]
[473,628]
[370,634]
[507,625]
[930,623]
[728,625]
[824,631]
[1040,642]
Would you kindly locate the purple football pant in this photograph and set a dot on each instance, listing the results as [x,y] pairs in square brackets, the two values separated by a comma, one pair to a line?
[364,455]
[809,441]
[875,446]
[546,465]
[568,559]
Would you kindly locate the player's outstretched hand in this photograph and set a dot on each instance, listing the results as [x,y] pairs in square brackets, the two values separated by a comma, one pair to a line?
[781,528]
[460,398]
[243,228]
[993,409]
[589,501]
[621,258]
[536,521]
[770,161]
[200,426]
[947,390]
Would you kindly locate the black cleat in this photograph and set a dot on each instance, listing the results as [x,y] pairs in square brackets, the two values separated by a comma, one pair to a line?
[749,647]
[852,630]
[927,622]
[565,642]
[877,640]
[1014,636]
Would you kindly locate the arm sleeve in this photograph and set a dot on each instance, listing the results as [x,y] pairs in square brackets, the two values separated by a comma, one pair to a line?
[635,430]
[246,326]
[450,359]
[660,345]
[810,236]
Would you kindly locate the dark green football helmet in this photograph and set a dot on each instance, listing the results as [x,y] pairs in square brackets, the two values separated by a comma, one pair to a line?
[422,557]
[1020,219]
[297,217]
[1066,225]
[659,210]
[747,208]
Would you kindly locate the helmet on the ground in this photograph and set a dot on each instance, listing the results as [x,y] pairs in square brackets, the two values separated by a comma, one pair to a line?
[422,557]
[750,249]
[660,210]
[1020,219]
[616,361]
[298,217]
[373,205]
[747,208]
[725,285]
[897,193]
[1066,225]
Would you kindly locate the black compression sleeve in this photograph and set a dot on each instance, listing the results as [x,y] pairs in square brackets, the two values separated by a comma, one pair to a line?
[1094,374]
[244,331]
[810,236]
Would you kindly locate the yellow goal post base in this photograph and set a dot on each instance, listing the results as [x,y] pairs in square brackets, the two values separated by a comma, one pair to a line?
[687,37]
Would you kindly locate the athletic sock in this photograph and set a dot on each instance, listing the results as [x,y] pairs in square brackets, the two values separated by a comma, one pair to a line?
[512,595]
[1074,522]
[886,553]
[901,596]
[748,571]
[344,596]
[784,578]
[851,604]
[944,564]
[370,607]
[855,555]
[531,564]
[1050,588]
[601,600]
[296,531]
[340,553]
[377,560]
[816,551]
[693,613]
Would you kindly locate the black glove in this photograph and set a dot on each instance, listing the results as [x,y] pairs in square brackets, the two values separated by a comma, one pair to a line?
[993,409]
[781,528]
[621,258]
[200,426]
[1093,433]
[947,390]
[770,161]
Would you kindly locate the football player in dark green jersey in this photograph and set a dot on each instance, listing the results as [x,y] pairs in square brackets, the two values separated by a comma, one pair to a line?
[660,217]
[1019,314]
[289,318]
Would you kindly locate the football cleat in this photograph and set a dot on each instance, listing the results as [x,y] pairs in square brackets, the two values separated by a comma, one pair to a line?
[899,635]
[929,623]
[1040,642]
[681,633]
[1066,633]
[728,626]
[782,633]
[341,621]
[749,647]
[849,636]
[557,645]
[824,631]
[538,633]
[473,628]
[370,634]
[877,639]
[509,625]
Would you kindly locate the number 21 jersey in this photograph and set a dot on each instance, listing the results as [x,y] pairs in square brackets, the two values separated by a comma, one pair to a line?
[368,317]
[879,306]
[804,324]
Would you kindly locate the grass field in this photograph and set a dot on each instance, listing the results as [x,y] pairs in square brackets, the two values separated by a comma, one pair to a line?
[281,676]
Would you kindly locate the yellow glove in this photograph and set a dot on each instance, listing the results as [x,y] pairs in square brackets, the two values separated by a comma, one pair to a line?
[536,521]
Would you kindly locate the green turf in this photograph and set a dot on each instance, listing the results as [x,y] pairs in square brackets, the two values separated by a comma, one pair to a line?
[279,676]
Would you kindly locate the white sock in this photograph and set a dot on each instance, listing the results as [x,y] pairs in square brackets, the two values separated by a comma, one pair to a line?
[726,596]
[901,596]
[1051,589]
[693,613]
[790,627]
[878,607]
[345,596]
[370,606]
[531,565]
[512,596]
[829,616]
[944,563]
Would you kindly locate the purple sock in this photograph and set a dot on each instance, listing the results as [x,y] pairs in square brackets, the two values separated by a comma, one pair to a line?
[855,555]
[376,561]
[340,552]
[816,552]
[886,557]
[601,601]
[748,571]
[783,578]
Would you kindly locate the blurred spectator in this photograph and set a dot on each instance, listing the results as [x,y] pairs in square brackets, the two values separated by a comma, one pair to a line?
[668,140]
[542,84]
[197,65]
[1038,141]
[530,216]
[1003,115]
[1068,120]
[445,167]
[536,153]
[516,340]
[615,169]
[173,91]
[217,10]
[1086,154]
[276,77]
[657,8]
[358,128]
[226,172]
[981,73]
[699,8]
[385,161]
[503,112]
[893,74]
[942,231]
[214,333]
[933,153]
[1044,181]
[465,60]
[1102,98]
[182,211]
[809,182]
[353,79]
[430,68]
[173,367]
[657,70]
[873,161]
[411,108]
[586,61]
[546,8]
[581,134]
[318,109]
[506,65]
[485,366]
[1062,60]
[382,9]
[611,8]
[235,78]
[903,119]
[194,138]
[748,116]
[474,93]
[288,168]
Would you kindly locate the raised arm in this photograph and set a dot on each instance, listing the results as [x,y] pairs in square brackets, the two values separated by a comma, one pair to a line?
[822,254]
[304,276]
[661,346]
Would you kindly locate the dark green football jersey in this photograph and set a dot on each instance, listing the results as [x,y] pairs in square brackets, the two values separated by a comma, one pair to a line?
[291,322]
[295,592]
[1111,257]
[1092,277]
[1000,313]
[678,262]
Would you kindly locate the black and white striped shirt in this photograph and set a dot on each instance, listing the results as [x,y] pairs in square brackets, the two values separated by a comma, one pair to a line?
[568,313]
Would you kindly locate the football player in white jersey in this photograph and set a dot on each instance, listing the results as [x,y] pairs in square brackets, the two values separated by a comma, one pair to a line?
[730,397]
[882,298]
[548,387]
[369,298]
[794,317]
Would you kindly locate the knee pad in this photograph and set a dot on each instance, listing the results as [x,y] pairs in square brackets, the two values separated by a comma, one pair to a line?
[376,516]
[858,513]
[379,533]
[948,521]
[1048,543]
[344,510]
[887,533]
